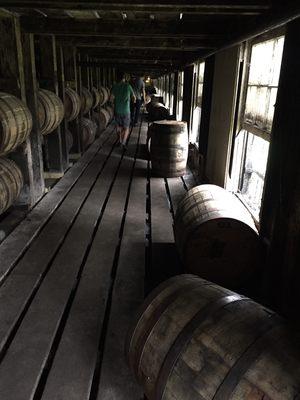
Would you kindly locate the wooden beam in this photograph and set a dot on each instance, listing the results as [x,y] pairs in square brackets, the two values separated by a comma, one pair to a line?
[171,44]
[118,61]
[202,28]
[160,54]
[199,6]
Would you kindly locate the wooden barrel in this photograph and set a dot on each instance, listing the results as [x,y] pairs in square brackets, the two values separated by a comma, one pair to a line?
[111,112]
[157,111]
[155,98]
[88,131]
[216,236]
[195,340]
[169,148]
[15,122]
[11,183]
[104,96]
[51,111]
[69,140]
[72,104]
[102,118]
[96,97]
[86,100]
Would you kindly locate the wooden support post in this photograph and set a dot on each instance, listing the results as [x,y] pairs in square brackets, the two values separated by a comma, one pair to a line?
[13,79]
[187,90]
[55,153]
[35,139]
[61,94]
[85,77]
[280,222]
[175,94]
[70,68]
[205,113]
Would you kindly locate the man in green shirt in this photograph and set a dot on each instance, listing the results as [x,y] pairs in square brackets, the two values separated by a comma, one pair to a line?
[121,94]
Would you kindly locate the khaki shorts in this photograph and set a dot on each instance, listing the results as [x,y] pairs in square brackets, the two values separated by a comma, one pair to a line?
[123,120]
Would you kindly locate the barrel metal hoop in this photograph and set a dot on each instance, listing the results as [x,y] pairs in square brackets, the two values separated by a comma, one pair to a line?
[253,351]
[185,337]
[152,321]
[145,305]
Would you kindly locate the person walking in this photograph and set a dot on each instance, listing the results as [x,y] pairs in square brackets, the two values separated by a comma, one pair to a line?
[121,94]
[140,94]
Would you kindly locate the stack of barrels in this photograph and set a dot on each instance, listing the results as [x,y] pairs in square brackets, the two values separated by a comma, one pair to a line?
[104,114]
[16,125]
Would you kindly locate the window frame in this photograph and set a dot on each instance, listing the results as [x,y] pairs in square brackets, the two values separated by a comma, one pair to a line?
[240,112]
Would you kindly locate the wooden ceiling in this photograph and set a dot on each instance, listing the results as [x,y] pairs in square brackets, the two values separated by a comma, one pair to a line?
[154,36]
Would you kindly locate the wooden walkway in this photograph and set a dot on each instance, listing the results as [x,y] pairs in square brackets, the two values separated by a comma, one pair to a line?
[73,273]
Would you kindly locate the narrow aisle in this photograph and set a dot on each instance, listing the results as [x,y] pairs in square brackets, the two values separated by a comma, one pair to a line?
[70,297]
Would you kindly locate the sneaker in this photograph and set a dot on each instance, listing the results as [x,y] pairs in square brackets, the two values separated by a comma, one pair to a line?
[124,147]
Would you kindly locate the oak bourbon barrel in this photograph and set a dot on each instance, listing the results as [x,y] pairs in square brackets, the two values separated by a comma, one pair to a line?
[11,183]
[169,148]
[111,112]
[157,111]
[86,100]
[15,122]
[102,118]
[72,104]
[216,236]
[88,131]
[104,95]
[51,111]
[195,340]
[96,97]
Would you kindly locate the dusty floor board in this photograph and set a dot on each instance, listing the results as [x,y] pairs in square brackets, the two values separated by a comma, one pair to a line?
[26,357]
[116,381]
[39,256]
[29,228]
[177,191]
[71,375]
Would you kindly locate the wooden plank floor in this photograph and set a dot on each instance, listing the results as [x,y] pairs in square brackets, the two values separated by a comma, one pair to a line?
[74,271]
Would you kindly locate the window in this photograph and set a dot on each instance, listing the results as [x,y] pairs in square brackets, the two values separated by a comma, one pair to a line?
[180,96]
[251,145]
[167,92]
[197,102]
